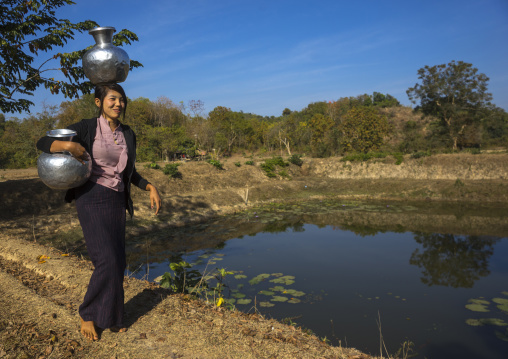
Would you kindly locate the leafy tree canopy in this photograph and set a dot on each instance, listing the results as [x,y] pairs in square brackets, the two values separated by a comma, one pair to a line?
[455,93]
[29,29]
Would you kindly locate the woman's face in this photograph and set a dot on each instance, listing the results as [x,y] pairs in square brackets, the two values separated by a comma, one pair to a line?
[113,105]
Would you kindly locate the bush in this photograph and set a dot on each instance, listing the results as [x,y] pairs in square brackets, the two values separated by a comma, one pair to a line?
[238,164]
[271,164]
[153,166]
[250,163]
[399,158]
[216,164]
[296,160]
[420,154]
[171,169]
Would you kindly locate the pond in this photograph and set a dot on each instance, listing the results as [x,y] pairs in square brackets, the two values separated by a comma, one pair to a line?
[434,275]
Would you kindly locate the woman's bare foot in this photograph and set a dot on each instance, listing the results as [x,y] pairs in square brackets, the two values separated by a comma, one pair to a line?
[118,329]
[88,330]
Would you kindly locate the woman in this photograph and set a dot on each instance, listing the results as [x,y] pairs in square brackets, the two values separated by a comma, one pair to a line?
[101,203]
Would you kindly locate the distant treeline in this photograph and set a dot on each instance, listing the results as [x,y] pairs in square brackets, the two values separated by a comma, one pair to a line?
[358,124]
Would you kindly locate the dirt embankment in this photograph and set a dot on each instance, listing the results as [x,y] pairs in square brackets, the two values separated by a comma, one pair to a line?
[38,299]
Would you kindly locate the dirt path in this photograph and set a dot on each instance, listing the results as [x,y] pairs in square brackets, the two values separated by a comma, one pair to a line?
[39,298]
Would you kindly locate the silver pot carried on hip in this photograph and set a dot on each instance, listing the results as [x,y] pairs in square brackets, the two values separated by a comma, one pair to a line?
[61,170]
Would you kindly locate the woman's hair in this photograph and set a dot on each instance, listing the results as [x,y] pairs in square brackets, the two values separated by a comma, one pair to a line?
[102,90]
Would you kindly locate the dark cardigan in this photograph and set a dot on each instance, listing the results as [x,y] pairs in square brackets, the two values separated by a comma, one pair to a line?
[86,130]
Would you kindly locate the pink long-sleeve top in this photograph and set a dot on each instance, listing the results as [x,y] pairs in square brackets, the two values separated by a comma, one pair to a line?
[109,156]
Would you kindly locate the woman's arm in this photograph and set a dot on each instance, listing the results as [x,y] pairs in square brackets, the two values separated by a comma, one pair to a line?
[74,148]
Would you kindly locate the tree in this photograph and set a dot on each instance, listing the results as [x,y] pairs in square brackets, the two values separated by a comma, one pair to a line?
[228,125]
[363,129]
[29,28]
[455,93]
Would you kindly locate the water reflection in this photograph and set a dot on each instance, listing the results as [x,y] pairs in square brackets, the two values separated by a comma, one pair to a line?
[452,260]
[354,259]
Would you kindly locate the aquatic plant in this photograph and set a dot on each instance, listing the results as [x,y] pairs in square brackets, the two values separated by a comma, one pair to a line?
[481,305]
[182,279]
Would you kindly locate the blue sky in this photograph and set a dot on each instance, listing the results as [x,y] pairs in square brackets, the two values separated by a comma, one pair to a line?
[263,56]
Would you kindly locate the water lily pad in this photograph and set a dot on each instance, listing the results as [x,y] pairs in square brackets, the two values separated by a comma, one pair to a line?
[474,322]
[295,293]
[230,300]
[503,307]
[287,280]
[238,295]
[266,292]
[216,259]
[502,336]
[266,304]
[505,293]
[243,301]
[479,301]
[500,300]
[240,286]
[257,279]
[477,307]
[294,300]
[277,275]
[279,298]
[278,288]
[240,276]
[493,321]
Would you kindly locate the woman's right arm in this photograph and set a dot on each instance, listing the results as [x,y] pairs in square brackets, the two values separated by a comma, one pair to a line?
[52,145]
[74,148]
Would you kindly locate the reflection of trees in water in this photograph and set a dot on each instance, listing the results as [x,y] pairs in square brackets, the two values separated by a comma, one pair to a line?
[453,260]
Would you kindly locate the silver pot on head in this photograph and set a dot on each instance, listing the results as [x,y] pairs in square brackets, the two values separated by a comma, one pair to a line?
[105,63]
[61,170]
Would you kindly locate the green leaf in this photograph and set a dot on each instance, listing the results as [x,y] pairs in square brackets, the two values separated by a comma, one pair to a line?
[278,298]
[240,276]
[477,307]
[266,304]
[243,301]
[500,300]
[257,279]
[287,280]
[266,292]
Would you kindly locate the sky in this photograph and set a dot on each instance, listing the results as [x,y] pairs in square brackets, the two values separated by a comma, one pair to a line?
[264,56]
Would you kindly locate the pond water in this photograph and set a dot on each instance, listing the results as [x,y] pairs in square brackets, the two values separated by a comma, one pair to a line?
[344,269]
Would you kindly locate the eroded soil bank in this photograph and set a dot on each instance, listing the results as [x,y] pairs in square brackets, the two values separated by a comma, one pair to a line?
[39,298]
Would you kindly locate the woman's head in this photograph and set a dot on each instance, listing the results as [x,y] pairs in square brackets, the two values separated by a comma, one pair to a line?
[109,98]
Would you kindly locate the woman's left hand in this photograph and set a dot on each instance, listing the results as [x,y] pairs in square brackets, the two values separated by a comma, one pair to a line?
[155,199]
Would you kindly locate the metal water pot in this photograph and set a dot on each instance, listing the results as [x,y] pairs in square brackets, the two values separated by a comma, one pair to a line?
[105,63]
[61,170]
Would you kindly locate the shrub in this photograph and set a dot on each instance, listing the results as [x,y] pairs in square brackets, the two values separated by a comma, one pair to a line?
[296,160]
[171,169]
[238,164]
[399,158]
[250,163]
[153,166]
[216,164]
[420,154]
[271,164]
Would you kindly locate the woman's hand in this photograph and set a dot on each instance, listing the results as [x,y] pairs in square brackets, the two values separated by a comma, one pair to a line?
[74,148]
[155,199]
